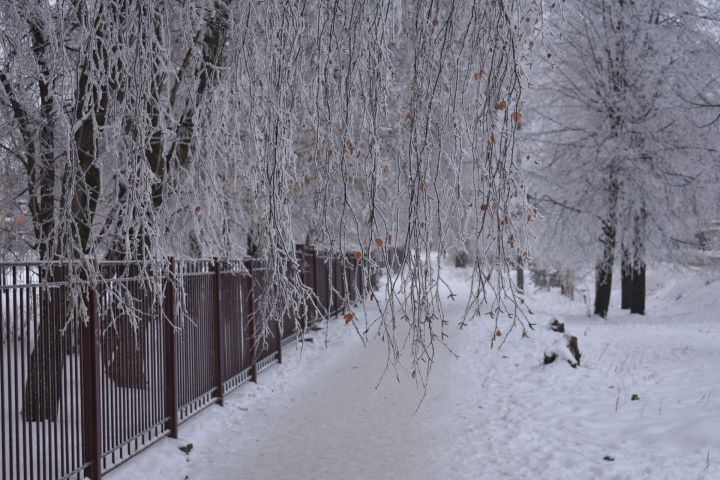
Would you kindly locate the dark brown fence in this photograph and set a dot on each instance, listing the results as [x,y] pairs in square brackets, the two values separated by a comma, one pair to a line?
[86,384]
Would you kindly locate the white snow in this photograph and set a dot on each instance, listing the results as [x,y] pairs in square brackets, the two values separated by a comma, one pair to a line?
[489,414]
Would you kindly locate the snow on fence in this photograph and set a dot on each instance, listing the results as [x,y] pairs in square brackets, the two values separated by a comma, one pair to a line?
[79,398]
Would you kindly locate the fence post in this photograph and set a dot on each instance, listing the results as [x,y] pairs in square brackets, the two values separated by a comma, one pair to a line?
[92,442]
[300,258]
[314,272]
[353,279]
[251,319]
[306,282]
[279,341]
[360,277]
[171,407]
[340,284]
[219,338]
[328,282]
[331,284]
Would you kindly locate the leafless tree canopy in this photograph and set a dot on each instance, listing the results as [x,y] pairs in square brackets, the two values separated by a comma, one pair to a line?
[139,130]
[623,123]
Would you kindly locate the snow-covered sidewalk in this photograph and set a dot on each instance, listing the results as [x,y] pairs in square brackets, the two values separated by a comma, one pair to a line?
[489,414]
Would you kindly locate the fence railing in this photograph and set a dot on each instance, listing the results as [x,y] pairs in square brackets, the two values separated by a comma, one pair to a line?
[84,389]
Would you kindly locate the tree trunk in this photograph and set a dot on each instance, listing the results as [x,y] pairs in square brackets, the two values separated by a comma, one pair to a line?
[81,182]
[627,280]
[637,303]
[603,271]
[47,361]
[604,268]
[520,277]
[43,386]
[124,341]
[603,282]
[126,353]
[461,258]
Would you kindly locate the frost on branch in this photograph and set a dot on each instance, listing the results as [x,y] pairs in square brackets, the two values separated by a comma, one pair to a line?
[213,128]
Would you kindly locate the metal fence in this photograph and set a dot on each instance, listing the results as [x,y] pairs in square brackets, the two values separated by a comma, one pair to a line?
[85,387]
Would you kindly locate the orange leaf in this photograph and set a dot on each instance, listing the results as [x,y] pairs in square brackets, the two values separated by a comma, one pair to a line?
[358,255]
[501,106]
[483,207]
[517,116]
[478,75]
[498,333]
[348,317]
[493,140]
[378,242]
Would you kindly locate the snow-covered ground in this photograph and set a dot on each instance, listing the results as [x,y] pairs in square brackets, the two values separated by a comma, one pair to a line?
[489,414]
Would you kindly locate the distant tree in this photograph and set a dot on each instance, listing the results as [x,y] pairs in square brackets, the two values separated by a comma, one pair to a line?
[623,159]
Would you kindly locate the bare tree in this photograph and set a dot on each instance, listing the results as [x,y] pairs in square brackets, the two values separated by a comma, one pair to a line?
[624,160]
[151,129]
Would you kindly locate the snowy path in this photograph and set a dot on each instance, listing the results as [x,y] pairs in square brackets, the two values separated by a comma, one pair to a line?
[487,415]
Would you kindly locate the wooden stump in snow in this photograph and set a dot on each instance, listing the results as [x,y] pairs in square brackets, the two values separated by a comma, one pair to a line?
[573,347]
[565,348]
